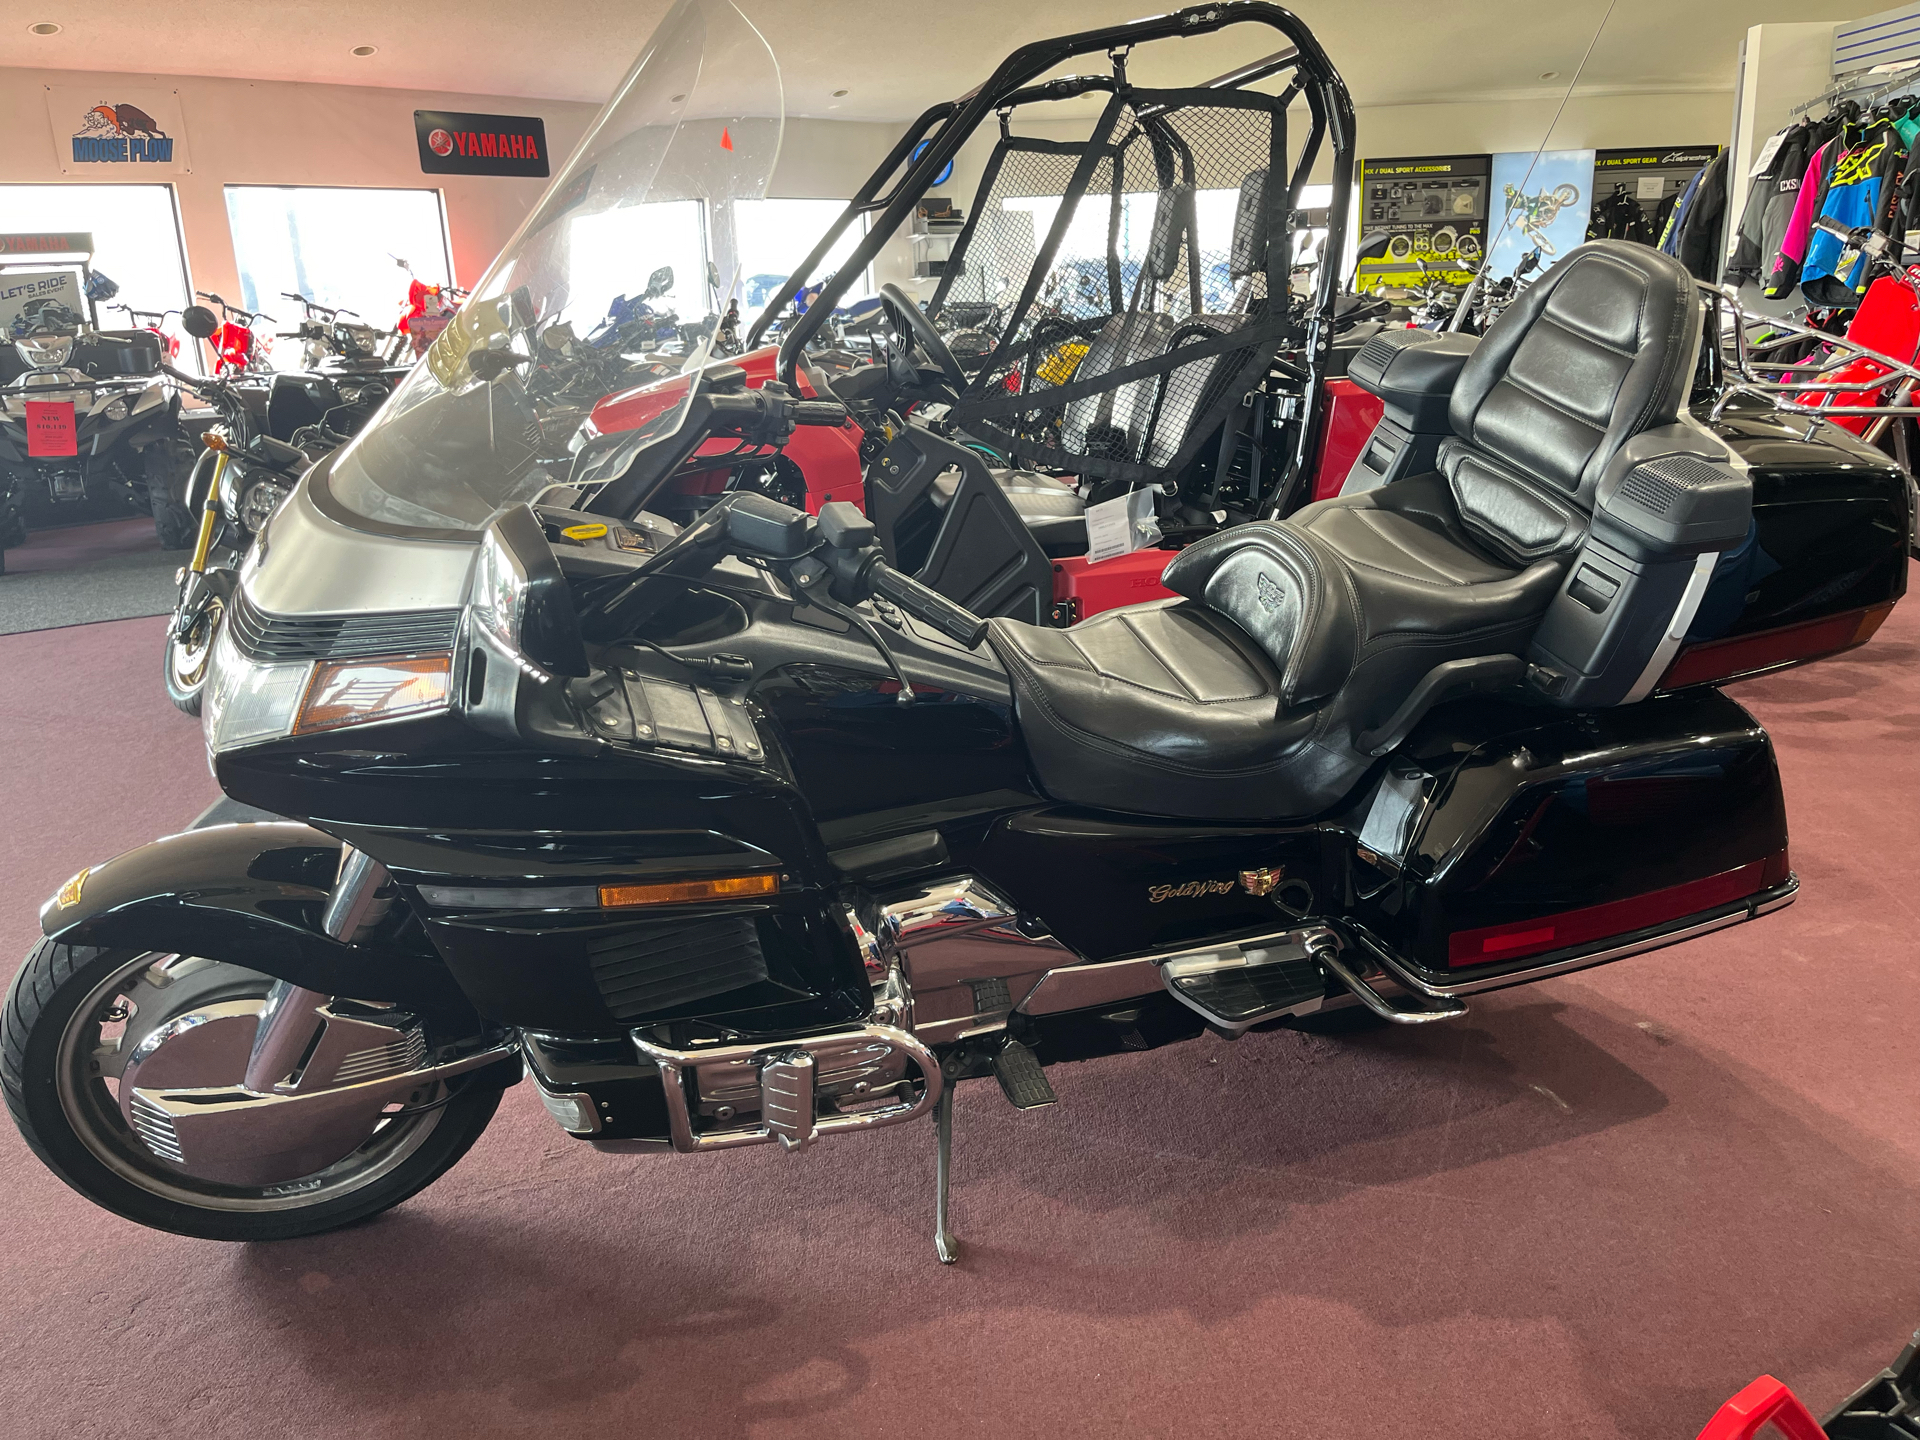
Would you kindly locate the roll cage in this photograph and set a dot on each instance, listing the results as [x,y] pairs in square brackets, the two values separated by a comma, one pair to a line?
[1122,371]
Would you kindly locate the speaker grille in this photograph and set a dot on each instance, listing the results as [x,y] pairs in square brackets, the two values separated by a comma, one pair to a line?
[665,964]
[1375,355]
[1659,484]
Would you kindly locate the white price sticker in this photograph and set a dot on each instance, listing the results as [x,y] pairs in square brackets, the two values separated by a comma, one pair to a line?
[1120,526]
[1767,152]
[1650,187]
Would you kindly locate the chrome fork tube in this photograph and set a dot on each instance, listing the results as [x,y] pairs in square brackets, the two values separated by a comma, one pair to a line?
[287,1027]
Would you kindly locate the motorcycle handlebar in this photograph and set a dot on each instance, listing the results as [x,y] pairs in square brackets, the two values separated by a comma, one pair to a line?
[951,620]
[819,412]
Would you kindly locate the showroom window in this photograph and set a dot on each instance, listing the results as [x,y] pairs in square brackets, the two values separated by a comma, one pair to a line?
[1083,249]
[611,253]
[136,237]
[338,246]
[774,237]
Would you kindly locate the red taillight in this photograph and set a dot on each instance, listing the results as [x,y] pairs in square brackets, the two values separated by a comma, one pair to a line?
[1713,661]
[1492,944]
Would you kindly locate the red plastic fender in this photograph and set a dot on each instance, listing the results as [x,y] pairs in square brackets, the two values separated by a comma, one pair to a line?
[1766,1401]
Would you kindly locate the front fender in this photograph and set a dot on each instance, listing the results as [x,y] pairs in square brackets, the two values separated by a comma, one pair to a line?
[250,894]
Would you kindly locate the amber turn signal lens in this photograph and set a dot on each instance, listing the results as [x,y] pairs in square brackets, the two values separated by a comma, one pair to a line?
[678,892]
[356,692]
[214,439]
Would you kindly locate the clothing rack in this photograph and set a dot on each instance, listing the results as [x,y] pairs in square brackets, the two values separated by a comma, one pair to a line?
[1865,87]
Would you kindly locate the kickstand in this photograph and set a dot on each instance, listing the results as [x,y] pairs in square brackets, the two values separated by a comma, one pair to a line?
[944,1244]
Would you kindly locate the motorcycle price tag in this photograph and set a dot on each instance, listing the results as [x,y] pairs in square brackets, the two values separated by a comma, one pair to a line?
[50,429]
[1121,525]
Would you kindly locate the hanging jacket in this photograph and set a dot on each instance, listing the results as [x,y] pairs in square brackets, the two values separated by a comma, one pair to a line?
[1670,237]
[1835,273]
[1703,229]
[1619,217]
[1784,274]
[1770,197]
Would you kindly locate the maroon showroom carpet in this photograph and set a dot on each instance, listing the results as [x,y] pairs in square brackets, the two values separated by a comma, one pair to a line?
[1594,1208]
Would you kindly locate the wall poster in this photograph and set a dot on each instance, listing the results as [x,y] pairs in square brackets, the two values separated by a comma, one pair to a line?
[1433,208]
[1652,177]
[108,131]
[1540,204]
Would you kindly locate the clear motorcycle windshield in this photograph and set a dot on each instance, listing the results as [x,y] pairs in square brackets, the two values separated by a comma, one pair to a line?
[490,414]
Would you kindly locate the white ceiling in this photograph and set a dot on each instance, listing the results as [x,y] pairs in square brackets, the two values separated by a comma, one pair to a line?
[892,58]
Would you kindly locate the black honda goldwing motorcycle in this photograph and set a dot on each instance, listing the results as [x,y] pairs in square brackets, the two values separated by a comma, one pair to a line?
[734,835]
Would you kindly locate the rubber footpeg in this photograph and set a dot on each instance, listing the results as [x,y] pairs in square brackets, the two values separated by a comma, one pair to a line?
[1022,1080]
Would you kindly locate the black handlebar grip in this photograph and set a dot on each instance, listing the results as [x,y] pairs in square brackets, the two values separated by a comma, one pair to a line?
[917,600]
[819,412]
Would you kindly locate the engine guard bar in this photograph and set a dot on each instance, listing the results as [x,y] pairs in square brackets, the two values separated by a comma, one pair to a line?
[786,1085]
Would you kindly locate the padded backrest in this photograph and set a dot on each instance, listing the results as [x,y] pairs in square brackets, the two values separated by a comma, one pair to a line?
[1278,583]
[1249,254]
[1172,223]
[1124,340]
[1597,350]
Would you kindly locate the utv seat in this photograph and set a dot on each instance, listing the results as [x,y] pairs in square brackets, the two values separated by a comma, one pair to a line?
[1243,699]
[1117,424]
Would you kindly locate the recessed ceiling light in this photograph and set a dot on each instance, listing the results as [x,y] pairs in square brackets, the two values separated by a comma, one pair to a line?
[363,50]
[838,93]
[1549,74]
[45,27]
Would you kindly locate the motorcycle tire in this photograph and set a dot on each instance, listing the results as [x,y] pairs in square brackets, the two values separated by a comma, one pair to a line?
[186,663]
[61,990]
[177,526]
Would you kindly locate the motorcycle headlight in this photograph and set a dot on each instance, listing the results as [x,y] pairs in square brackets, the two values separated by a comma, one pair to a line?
[249,701]
[258,503]
[117,408]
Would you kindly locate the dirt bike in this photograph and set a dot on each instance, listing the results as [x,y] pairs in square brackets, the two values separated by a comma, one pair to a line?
[427,311]
[242,476]
[238,347]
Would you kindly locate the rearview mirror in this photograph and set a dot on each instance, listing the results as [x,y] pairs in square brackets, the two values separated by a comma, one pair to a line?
[490,365]
[660,282]
[1374,246]
[518,593]
[199,322]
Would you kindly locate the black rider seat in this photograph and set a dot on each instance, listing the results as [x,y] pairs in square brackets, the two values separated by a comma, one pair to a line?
[1243,699]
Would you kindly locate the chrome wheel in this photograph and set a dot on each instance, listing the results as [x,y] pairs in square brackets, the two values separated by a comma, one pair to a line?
[135,1008]
[187,658]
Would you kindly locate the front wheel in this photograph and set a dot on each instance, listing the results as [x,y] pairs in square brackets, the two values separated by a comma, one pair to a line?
[79,1021]
[189,657]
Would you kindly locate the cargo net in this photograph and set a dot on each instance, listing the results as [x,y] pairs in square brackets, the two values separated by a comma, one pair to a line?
[1123,282]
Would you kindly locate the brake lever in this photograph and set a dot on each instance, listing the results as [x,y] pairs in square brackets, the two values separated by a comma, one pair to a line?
[813,578]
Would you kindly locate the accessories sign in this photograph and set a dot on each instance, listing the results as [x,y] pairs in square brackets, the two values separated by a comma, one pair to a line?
[453,142]
[104,130]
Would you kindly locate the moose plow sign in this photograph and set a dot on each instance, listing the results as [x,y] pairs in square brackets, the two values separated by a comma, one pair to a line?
[98,129]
